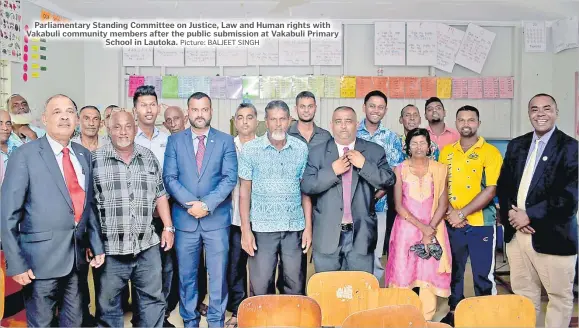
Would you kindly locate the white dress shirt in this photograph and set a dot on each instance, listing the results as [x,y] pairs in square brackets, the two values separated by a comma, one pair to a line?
[341,147]
[57,150]
[157,144]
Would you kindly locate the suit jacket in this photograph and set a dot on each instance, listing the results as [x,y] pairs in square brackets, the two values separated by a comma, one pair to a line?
[38,229]
[213,185]
[551,203]
[320,182]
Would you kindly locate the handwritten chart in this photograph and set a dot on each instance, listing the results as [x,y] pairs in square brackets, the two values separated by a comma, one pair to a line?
[475,48]
[134,56]
[169,57]
[390,43]
[294,52]
[421,44]
[326,52]
[449,39]
[267,54]
[200,56]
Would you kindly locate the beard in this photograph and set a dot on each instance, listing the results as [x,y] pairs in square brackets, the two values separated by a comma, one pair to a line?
[306,120]
[21,119]
[123,143]
[467,133]
[277,135]
[195,123]
[436,120]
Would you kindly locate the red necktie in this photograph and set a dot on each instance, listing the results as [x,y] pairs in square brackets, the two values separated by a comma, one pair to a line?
[200,152]
[76,193]
[347,193]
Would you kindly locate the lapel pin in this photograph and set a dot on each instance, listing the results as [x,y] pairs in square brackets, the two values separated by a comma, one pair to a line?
[545,158]
[211,140]
[80,154]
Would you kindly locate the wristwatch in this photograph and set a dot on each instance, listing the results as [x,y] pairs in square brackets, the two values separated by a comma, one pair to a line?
[169,228]
[204,207]
[461,215]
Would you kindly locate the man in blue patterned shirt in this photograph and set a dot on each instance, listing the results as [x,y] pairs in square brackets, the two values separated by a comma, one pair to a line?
[372,129]
[276,219]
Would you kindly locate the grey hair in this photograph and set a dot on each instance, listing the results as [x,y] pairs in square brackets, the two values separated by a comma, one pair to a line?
[246,105]
[277,104]
[58,96]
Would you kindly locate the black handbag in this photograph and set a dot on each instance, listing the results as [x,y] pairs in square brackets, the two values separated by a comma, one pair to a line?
[426,251]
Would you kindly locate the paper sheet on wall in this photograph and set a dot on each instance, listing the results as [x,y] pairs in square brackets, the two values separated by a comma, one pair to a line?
[317,85]
[565,34]
[283,85]
[299,84]
[380,83]
[200,56]
[155,81]
[135,82]
[332,86]
[475,48]
[202,84]
[294,52]
[459,88]
[231,56]
[449,39]
[134,56]
[506,87]
[250,87]
[364,84]
[11,31]
[475,88]
[411,87]
[348,87]
[185,86]
[396,87]
[427,87]
[490,87]
[267,87]
[390,43]
[218,87]
[421,44]
[170,87]
[535,34]
[267,54]
[234,87]
[326,52]
[444,87]
[169,57]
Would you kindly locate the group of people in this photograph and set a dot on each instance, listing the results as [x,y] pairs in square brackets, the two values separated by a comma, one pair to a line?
[169,212]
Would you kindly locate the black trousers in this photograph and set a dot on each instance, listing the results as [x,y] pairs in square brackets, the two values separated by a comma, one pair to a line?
[236,271]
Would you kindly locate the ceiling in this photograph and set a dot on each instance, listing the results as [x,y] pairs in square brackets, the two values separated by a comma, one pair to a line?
[432,10]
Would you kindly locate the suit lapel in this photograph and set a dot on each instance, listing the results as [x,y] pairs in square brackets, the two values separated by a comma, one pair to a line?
[359,146]
[208,150]
[190,150]
[522,158]
[547,154]
[332,149]
[50,160]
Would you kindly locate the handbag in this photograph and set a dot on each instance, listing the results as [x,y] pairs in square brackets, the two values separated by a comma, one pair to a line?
[426,251]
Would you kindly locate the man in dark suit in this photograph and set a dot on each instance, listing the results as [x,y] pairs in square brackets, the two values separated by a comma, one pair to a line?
[47,213]
[537,192]
[343,174]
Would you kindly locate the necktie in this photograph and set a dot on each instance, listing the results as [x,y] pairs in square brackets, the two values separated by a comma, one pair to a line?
[200,152]
[527,177]
[76,193]
[347,193]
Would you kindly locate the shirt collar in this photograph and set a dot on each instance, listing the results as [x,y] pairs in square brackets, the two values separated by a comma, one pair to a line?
[141,133]
[362,126]
[350,146]
[56,147]
[545,138]
[195,135]
[111,152]
[478,144]
[446,129]
[267,143]
[294,129]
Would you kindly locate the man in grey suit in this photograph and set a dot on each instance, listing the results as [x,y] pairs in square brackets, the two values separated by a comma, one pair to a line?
[342,175]
[48,220]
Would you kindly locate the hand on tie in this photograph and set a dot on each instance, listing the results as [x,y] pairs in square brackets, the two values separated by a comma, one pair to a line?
[520,220]
[341,165]
[356,158]
[195,210]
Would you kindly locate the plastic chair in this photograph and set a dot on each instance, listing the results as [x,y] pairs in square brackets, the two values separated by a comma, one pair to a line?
[279,311]
[495,311]
[387,316]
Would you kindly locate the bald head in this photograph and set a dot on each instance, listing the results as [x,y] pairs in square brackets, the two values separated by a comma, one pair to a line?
[60,118]
[174,119]
[122,129]
[5,126]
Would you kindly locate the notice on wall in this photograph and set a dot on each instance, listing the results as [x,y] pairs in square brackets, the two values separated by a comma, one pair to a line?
[11,34]
[390,43]
[475,48]
[535,34]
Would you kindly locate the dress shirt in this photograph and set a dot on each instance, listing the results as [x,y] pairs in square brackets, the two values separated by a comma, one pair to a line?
[542,143]
[448,136]
[57,150]
[156,144]
[341,147]
[195,137]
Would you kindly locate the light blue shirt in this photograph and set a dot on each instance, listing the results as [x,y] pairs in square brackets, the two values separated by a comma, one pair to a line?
[157,144]
[542,144]
[195,137]
[392,146]
[275,175]
[40,132]
[5,155]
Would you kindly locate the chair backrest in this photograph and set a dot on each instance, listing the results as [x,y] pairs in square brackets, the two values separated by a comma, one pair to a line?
[279,311]
[387,316]
[392,296]
[495,311]
[340,293]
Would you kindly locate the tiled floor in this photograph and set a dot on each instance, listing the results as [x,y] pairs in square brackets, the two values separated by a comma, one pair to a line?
[442,303]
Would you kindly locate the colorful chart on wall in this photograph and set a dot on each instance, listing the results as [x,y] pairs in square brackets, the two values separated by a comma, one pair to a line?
[11,35]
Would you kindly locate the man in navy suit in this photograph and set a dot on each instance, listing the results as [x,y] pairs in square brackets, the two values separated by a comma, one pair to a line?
[200,173]
[537,191]
[48,220]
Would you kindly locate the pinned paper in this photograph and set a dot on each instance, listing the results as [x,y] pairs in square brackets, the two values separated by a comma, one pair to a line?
[234,87]
[348,87]
[332,86]
[317,85]
[380,83]
[267,87]
[250,87]
[299,84]
[35,75]
[411,88]
[156,82]
[506,87]
[185,86]
[218,87]
[134,83]
[427,87]
[475,88]
[490,87]
[444,87]
[364,84]
[396,87]
[170,86]
[459,88]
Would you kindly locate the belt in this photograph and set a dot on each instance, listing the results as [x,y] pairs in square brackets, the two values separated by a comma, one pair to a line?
[347,227]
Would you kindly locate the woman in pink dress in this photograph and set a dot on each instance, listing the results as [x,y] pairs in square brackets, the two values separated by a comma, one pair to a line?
[419,247]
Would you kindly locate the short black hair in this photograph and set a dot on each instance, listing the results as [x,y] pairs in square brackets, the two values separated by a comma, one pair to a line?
[305,94]
[111,106]
[403,108]
[431,100]
[345,108]
[88,107]
[375,93]
[416,132]
[542,95]
[468,108]
[198,95]
[246,105]
[144,90]
[277,104]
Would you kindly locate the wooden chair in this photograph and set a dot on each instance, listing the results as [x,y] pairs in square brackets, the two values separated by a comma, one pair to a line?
[387,316]
[340,293]
[495,311]
[279,311]
[392,296]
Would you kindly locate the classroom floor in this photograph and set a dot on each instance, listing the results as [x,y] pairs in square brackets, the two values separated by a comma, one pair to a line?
[442,303]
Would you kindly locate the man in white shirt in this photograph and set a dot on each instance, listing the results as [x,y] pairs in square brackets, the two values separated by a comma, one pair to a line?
[246,125]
